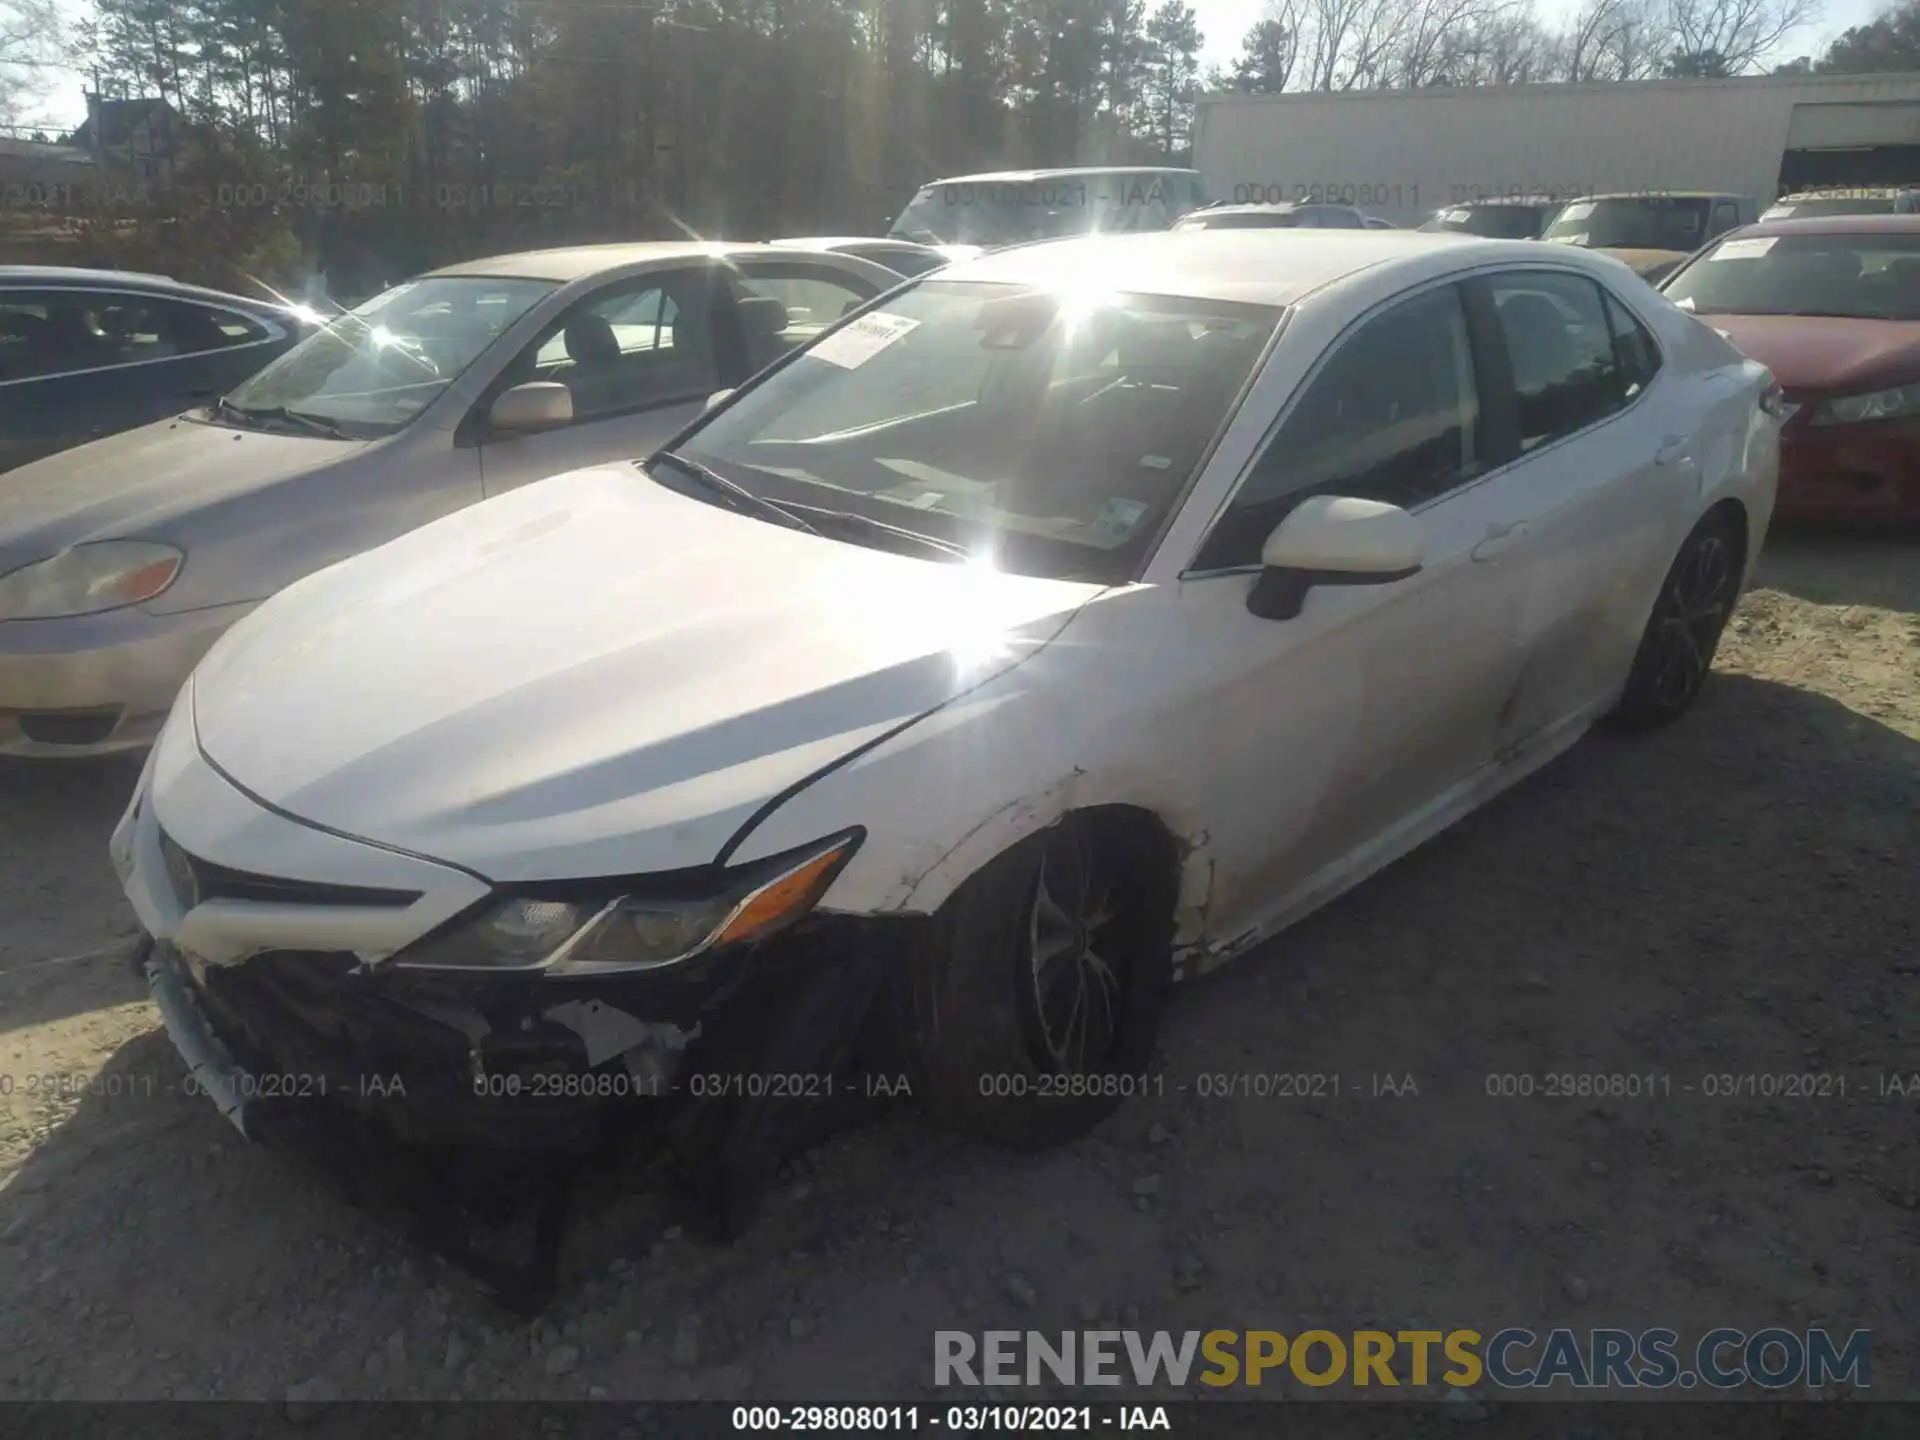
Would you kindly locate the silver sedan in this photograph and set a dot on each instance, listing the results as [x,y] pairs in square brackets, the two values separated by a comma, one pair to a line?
[122,561]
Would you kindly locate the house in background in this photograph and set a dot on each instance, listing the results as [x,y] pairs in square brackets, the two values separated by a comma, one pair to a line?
[138,142]
[35,171]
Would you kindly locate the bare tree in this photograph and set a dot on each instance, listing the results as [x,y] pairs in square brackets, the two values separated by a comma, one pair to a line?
[1736,34]
[29,39]
[1509,48]
[1617,40]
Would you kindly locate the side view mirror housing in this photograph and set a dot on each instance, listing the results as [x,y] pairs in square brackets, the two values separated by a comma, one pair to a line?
[716,399]
[537,405]
[1334,540]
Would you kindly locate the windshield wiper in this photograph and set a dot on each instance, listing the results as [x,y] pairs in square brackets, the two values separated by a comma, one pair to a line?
[850,523]
[299,419]
[738,496]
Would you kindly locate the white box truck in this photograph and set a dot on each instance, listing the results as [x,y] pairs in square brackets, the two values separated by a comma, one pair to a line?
[1403,154]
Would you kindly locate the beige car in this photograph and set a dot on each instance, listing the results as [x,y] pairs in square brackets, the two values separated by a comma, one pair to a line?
[123,560]
[1651,232]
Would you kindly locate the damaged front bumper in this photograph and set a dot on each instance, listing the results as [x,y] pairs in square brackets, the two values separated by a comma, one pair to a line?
[519,1064]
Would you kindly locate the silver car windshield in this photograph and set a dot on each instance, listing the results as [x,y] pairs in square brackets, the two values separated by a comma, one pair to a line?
[1052,432]
[375,368]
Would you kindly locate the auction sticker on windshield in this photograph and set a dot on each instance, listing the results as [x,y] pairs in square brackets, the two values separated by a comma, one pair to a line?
[854,344]
[1744,249]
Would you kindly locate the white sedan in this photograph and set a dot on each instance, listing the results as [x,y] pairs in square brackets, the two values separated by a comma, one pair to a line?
[1062,625]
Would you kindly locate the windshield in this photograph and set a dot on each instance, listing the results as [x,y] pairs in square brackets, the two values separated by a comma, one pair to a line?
[1051,432]
[1496,222]
[1651,223]
[373,369]
[991,212]
[1867,277]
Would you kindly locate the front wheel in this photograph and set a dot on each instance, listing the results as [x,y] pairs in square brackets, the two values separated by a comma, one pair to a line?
[1030,1010]
[1677,648]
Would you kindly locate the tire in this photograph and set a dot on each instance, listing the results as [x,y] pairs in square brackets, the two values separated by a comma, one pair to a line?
[1677,648]
[990,1041]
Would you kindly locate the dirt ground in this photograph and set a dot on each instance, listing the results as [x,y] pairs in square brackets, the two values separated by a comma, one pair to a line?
[1734,896]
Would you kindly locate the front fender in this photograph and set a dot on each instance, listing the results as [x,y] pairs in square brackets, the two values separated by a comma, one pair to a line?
[948,794]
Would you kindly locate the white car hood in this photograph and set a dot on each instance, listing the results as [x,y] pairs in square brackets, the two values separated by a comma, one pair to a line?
[593,675]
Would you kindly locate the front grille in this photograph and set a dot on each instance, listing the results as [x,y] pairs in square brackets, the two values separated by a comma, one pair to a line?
[195,881]
[68,727]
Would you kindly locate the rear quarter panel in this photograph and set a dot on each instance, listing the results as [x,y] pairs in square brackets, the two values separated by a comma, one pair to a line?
[1739,450]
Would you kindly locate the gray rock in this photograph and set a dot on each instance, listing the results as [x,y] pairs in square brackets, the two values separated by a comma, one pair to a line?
[1021,1292]
[1462,1408]
[562,1360]
[596,1392]
[1158,1134]
[305,1398]
[1148,1185]
[800,1327]
[1188,1271]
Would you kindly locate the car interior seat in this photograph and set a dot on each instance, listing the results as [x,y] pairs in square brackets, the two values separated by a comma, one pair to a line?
[1546,362]
[763,321]
[594,379]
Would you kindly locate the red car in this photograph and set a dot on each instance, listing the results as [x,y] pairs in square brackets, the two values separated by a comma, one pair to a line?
[1832,307]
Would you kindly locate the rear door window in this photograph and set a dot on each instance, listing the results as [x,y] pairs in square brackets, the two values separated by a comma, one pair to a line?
[1561,350]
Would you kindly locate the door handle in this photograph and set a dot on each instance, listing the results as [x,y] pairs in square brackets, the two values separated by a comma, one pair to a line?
[1672,451]
[1500,538]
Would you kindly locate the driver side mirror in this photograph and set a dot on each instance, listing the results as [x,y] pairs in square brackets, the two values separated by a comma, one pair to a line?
[1334,540]
[716,400]
[536,405]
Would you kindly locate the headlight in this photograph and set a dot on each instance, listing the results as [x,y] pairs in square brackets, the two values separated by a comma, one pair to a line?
[1881,405]
[104,575]
[561,934]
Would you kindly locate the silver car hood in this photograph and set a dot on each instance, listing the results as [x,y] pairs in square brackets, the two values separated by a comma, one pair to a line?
[132,485]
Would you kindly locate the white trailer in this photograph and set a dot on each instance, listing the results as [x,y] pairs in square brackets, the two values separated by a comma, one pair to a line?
[1402,154]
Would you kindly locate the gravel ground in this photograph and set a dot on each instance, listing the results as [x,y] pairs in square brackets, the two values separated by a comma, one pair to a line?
[1734,896]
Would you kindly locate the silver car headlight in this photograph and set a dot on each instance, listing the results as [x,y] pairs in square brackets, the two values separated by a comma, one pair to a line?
[101,575]
[1892,404]
[559,931]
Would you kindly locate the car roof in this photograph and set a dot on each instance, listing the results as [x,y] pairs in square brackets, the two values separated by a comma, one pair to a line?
[1835,225]
[1262,266]
[1010,177]
[576,262]
[1278,207]
[844,242]
[79,277]
[1850,192]
[1658,195]
[1531,202]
